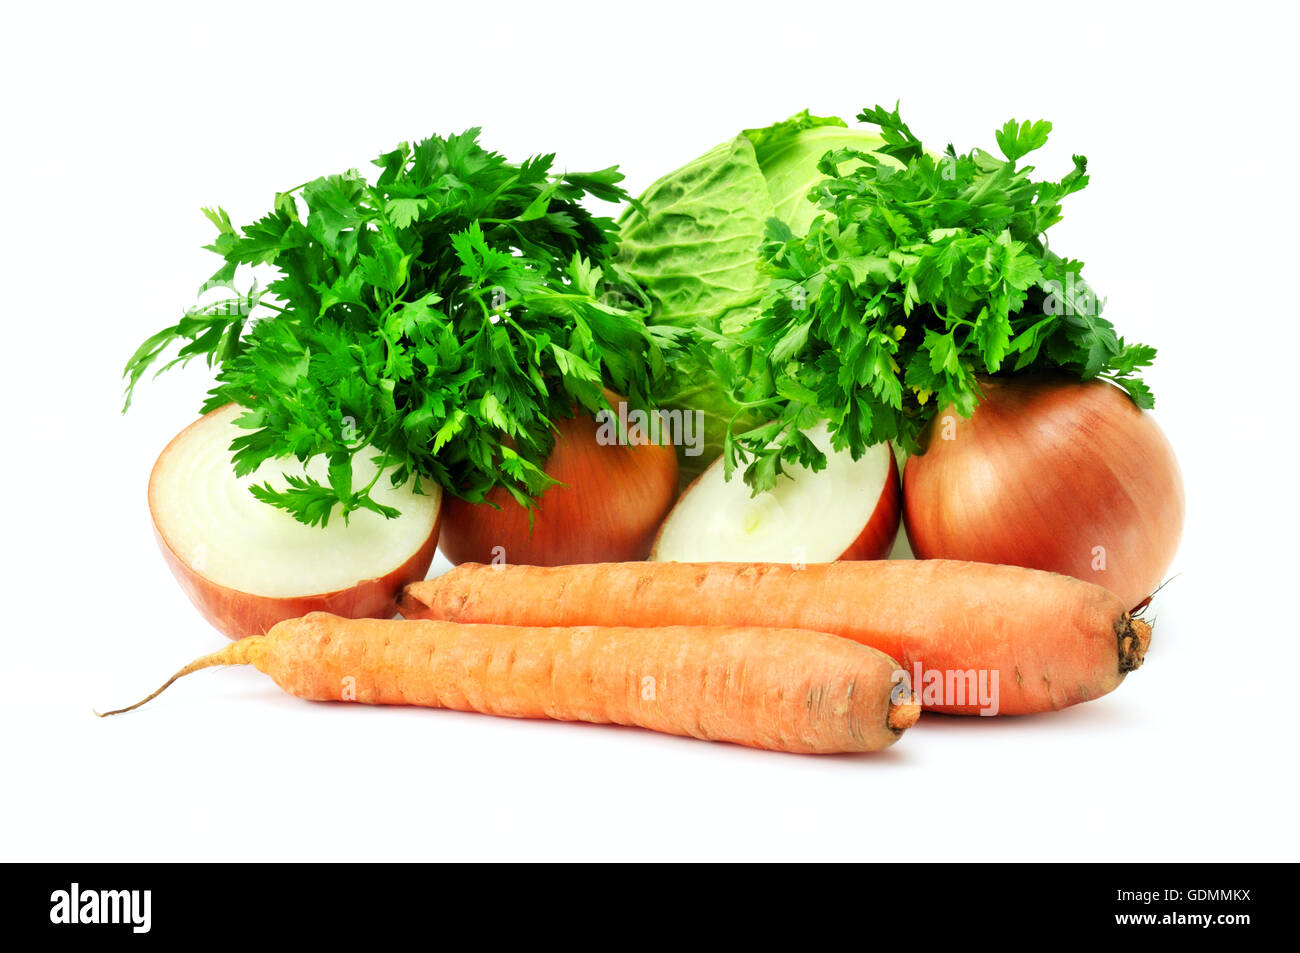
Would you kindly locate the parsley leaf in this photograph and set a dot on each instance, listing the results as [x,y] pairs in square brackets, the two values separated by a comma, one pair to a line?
[919,273]
[442,314]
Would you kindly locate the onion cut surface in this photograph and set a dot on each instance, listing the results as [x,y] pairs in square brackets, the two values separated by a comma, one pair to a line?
[247,565]
[849,510]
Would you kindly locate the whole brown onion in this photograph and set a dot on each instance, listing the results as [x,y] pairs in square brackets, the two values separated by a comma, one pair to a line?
[1050,473]
[608,507]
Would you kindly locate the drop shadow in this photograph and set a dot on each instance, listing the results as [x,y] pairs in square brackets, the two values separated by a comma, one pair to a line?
[637,735]
[1095,714]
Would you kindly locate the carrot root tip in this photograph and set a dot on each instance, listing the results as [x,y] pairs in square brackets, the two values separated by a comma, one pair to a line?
[243,652]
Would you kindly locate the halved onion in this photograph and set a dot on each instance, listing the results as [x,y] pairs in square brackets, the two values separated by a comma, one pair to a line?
[611,499]
[1050,473]
[247,565]
[849,510]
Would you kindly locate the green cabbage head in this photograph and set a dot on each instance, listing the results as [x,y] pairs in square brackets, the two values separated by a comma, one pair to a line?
[693,244]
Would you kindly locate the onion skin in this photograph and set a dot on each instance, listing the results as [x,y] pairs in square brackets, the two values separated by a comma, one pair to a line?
[1045,471]
[877,537]
[238,614]
[607,508]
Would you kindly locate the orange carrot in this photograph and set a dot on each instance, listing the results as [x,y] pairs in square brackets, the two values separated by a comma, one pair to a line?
[780,689]
[1040,641]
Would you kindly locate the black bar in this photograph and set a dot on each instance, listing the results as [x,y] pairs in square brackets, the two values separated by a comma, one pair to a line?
[925,902]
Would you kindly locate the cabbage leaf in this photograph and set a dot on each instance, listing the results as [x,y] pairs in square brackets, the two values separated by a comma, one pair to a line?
[692,241]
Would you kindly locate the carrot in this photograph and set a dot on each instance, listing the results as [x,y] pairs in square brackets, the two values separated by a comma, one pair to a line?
[1048,640]
[768,688]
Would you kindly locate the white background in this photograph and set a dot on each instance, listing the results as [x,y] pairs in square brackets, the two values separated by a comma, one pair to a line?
[120,124]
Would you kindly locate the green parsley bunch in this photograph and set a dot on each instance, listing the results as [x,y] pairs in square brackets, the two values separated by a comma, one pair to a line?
[919,273]
[444,314]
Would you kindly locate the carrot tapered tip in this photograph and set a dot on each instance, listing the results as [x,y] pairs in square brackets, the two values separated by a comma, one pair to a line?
[242,652]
